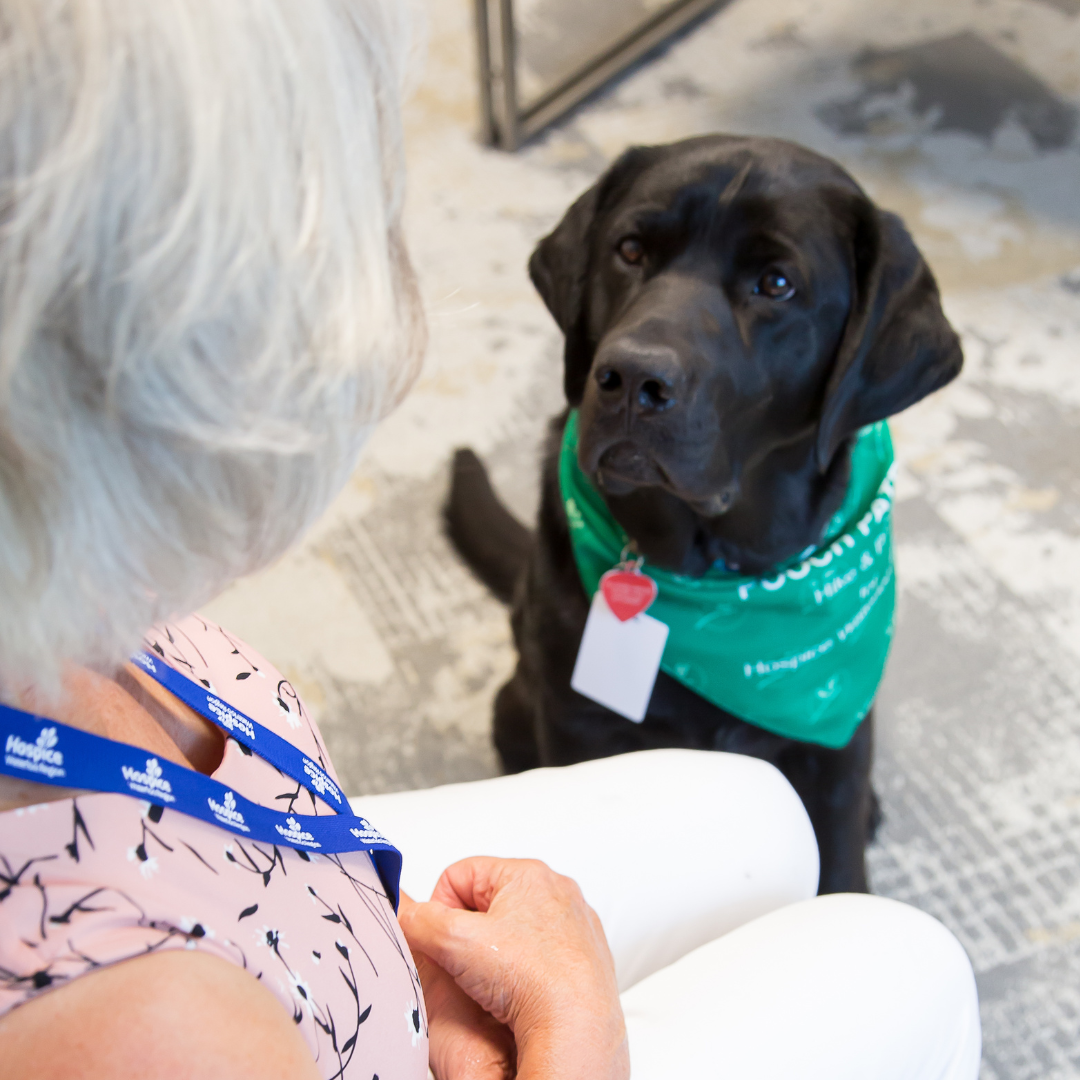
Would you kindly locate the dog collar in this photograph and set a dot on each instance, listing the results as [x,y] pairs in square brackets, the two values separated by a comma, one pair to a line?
[799,652]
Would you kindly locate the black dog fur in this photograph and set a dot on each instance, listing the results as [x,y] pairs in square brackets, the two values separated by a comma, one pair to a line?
[735,309]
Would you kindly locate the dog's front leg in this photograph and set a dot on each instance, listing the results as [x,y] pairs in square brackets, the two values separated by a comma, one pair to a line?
[514,729]
[835,788]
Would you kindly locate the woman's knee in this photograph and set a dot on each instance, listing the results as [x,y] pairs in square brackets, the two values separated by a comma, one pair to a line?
[898,977]
[726,827]
[835,988]
[701,808]
[725,839]
[671,847]
[740,805]
[921,977]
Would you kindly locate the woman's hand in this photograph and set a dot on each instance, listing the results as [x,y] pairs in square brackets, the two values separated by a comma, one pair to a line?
[465,1043]
[520,940]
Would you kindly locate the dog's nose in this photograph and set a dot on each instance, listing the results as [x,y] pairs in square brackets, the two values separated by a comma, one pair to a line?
[648,382]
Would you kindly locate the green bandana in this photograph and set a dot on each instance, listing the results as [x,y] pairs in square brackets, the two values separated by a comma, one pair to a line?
[800,652]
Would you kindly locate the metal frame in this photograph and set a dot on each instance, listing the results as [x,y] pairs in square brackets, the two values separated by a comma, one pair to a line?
[505,123]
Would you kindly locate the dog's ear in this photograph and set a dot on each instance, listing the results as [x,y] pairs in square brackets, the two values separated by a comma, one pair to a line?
[558,268]
[897,346]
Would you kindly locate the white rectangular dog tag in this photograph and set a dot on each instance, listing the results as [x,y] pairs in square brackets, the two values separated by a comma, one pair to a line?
[618,661]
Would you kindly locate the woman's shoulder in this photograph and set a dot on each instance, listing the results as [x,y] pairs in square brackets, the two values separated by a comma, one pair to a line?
[184,1014]
[231,669]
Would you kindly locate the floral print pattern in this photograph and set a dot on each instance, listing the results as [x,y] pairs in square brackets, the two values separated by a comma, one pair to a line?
[101,878]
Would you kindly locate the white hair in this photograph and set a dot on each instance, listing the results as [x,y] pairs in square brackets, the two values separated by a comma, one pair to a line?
[204,299]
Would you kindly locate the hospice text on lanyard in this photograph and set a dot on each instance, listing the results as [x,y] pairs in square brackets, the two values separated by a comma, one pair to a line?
[49,752]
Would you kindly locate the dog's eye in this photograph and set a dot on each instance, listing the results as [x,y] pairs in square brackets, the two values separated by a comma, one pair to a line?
[631,250]
[776,285]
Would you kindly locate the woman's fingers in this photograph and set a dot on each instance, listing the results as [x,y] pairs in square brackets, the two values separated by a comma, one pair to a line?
[473,883]
[533,942]
[440,932]
[466,1043]
[467,884]
[520,940]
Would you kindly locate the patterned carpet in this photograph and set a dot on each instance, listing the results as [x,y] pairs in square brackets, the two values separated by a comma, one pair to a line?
[961,117]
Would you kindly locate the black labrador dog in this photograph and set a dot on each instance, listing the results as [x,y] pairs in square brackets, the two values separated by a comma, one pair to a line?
[735,310]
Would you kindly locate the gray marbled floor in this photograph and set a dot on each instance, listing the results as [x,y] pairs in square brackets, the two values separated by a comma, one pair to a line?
[961,117]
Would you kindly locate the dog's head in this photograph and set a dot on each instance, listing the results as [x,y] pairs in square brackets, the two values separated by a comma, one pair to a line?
[731,304]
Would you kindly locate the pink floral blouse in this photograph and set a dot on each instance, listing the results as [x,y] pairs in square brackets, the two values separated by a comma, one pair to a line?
[101,878]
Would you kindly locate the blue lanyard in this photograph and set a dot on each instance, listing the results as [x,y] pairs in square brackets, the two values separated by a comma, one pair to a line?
[36,748]
[273,748]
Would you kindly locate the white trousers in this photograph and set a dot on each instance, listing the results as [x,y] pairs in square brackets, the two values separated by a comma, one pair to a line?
[703,869]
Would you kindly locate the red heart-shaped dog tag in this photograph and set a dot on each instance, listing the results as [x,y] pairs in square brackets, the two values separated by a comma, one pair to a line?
[627,593]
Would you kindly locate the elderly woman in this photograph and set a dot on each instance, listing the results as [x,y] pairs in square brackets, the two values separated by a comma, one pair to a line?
[204,306]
